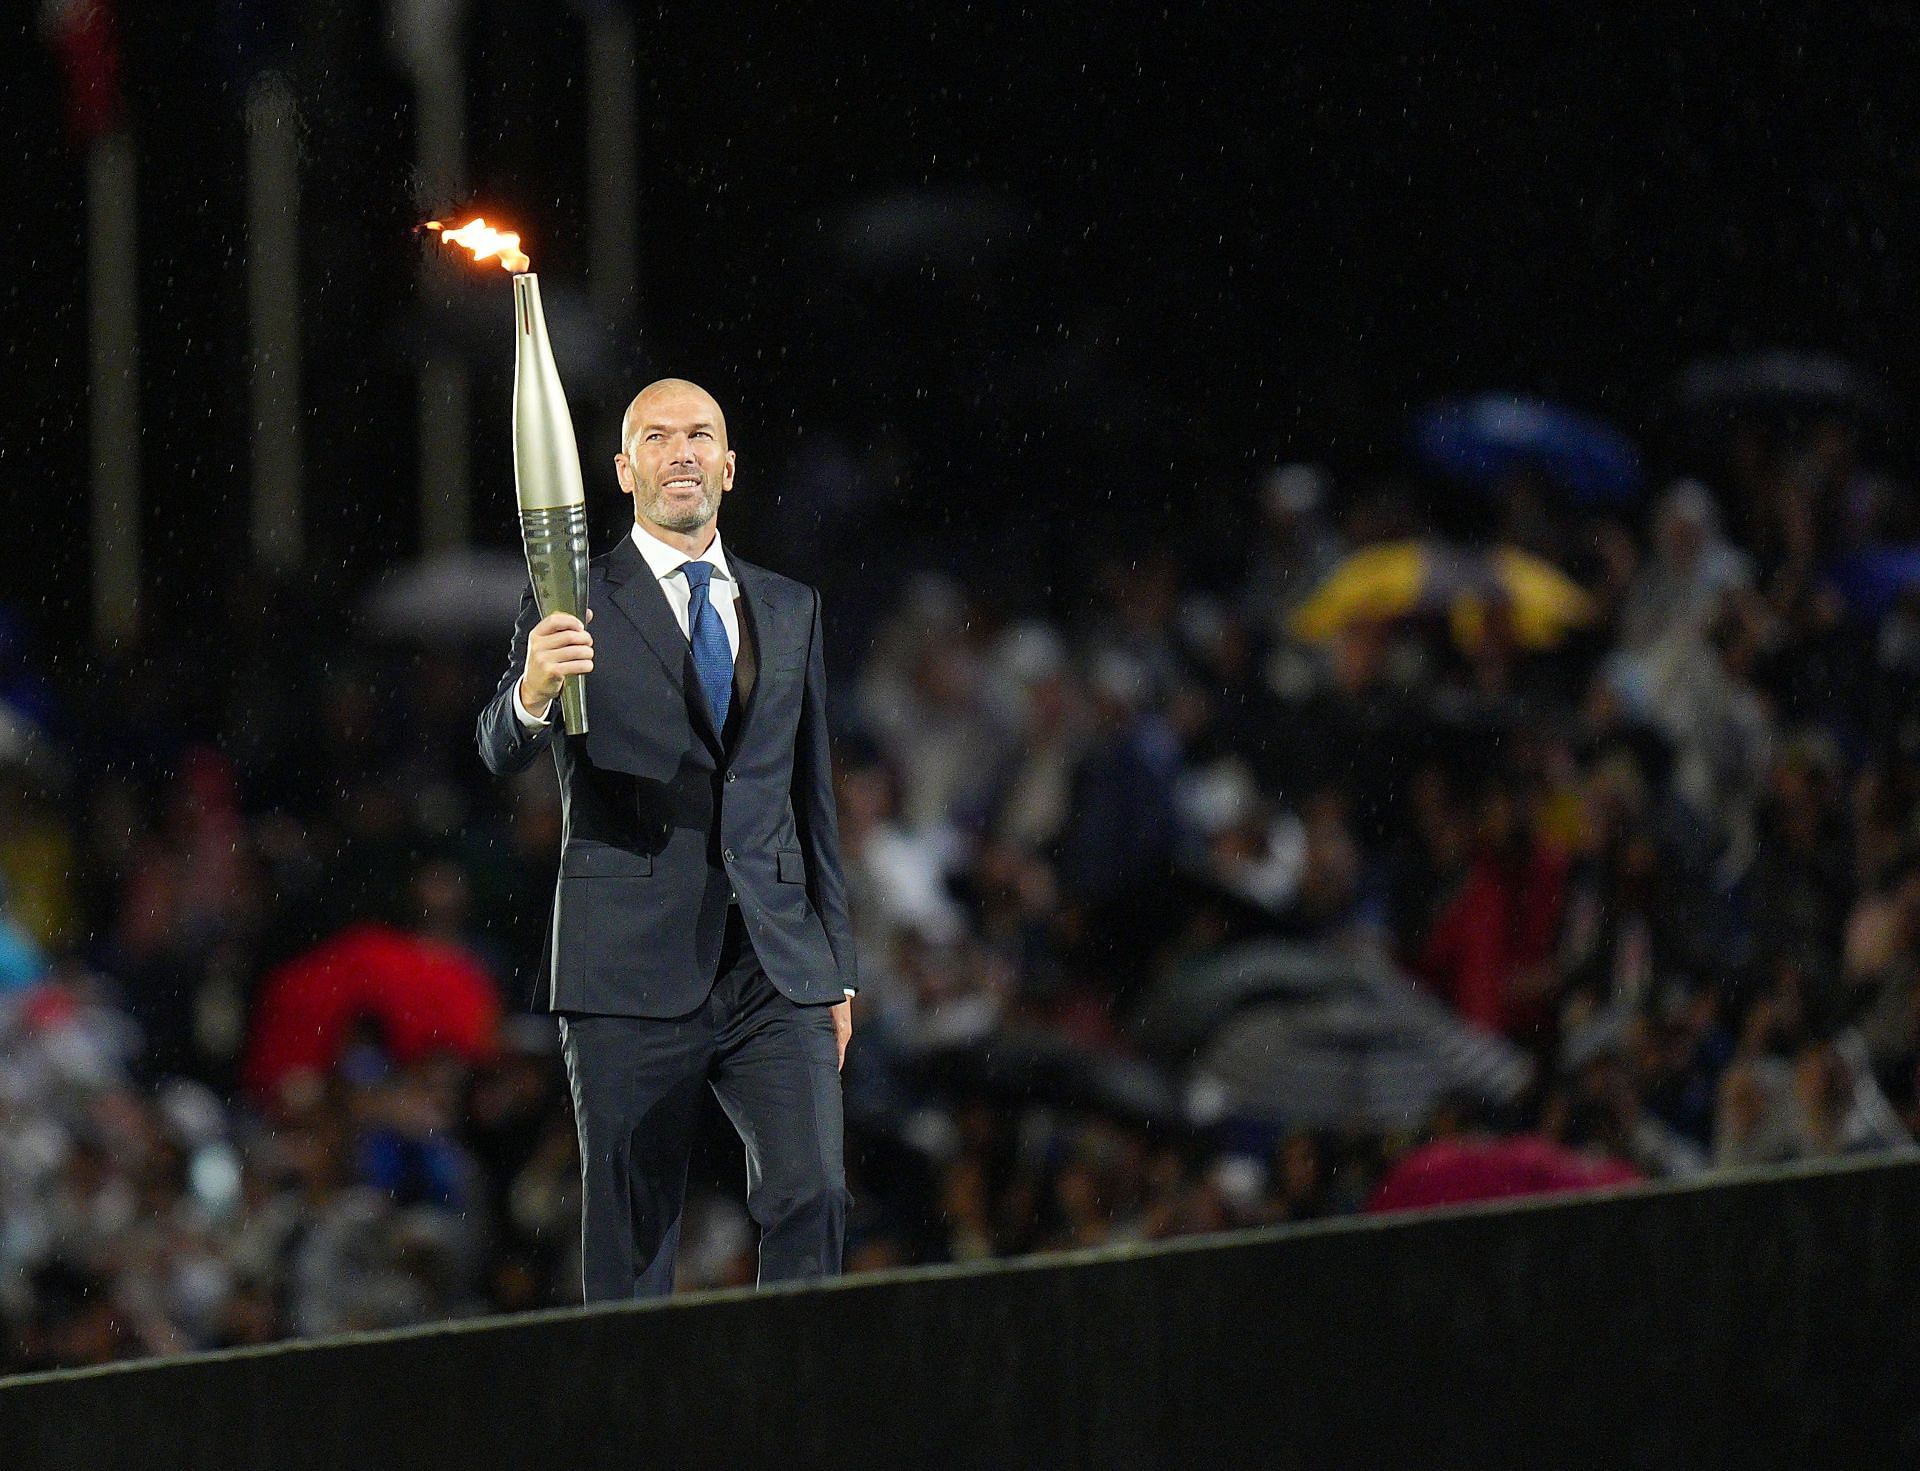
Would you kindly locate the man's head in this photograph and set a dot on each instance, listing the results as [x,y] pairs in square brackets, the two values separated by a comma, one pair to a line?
[673,458]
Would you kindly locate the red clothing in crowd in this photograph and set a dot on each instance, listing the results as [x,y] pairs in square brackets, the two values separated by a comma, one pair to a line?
[1455,1171]
[1503,921]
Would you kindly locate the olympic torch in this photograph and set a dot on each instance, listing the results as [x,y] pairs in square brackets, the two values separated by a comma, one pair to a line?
[546,457]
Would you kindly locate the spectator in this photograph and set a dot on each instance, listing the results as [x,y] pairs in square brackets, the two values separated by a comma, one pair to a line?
[1490,948]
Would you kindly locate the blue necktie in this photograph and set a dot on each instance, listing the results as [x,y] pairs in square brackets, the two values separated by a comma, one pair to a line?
[712,657]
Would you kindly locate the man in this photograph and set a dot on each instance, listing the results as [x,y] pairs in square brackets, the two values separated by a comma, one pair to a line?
[699,933]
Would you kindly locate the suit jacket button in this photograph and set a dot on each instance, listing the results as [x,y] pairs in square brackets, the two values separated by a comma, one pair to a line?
[731,775]
[728,855]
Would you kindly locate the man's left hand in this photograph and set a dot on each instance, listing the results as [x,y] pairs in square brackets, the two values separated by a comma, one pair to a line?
[843,1028]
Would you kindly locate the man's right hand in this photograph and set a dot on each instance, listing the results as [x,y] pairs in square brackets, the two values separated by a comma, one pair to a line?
[558,646]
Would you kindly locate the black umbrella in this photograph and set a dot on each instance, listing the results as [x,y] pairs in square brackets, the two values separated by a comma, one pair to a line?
[1304,1036]
[448,597]
[1783,381]
[948,227]
[1028,1067]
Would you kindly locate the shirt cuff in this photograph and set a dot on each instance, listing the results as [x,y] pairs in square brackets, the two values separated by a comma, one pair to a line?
[848,990]
[527,717]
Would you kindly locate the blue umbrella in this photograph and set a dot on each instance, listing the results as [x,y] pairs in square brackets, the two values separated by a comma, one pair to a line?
[1478,440]
[1873,578]
[21,963]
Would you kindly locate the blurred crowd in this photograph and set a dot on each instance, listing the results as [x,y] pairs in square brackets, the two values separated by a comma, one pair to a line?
[1661,849]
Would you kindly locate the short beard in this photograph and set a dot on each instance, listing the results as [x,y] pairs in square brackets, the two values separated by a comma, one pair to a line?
[688,520]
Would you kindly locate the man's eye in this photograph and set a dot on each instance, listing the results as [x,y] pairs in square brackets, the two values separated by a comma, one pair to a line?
[701,434]
[652,437]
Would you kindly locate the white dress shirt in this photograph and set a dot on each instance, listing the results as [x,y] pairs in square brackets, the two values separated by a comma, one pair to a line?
[666,562]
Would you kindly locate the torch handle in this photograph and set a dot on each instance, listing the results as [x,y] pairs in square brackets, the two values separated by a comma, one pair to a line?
[573,703]
[556,542]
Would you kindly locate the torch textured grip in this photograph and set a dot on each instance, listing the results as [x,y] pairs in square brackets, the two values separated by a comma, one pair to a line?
[556,540]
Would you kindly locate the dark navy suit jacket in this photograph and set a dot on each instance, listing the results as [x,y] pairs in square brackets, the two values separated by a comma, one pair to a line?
[664,816]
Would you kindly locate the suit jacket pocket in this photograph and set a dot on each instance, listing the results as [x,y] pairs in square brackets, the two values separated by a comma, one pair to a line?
[603,860]
[792,865]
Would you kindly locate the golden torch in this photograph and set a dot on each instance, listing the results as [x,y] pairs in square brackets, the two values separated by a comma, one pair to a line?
[546,458]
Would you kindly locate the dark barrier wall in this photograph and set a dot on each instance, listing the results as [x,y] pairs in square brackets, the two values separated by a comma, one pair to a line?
[1771,1322]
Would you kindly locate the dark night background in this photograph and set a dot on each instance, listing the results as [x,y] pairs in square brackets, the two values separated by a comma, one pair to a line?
[1074,354]
[1218,235]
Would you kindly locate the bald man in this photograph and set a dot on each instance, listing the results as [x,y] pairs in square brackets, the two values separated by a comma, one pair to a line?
[699,934]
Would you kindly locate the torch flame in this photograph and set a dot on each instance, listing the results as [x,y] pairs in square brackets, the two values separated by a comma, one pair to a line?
[485,242]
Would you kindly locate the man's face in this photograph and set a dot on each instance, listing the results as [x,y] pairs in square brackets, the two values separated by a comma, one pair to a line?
[676,464]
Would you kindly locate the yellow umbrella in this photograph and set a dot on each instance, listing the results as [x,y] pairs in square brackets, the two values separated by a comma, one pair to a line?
[1401,579]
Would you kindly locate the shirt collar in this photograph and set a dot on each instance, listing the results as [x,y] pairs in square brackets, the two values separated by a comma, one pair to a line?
[666,560]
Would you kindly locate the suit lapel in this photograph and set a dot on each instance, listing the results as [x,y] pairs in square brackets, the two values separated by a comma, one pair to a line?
[757,611]
[633,589]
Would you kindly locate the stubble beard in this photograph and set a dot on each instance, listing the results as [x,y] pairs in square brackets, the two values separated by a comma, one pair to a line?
[692,518]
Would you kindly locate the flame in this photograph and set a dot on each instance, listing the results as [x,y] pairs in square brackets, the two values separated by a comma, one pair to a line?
[485,242]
